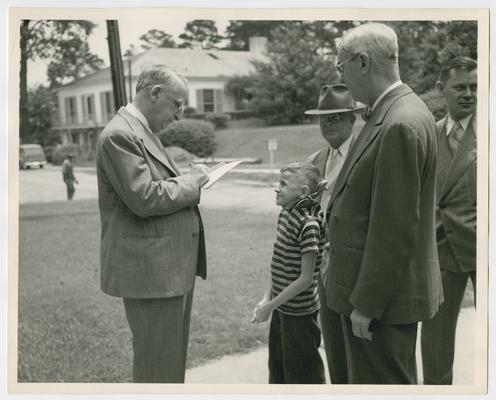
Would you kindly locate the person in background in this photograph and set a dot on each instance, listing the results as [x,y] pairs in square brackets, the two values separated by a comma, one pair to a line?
[152,237]
[337,116]
[68,175]
[383,276]
[456,214]
[294,336]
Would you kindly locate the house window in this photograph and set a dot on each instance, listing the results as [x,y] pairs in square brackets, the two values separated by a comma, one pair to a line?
[88,101]
[75,137]
[71,110]
[209,100]
[107,102]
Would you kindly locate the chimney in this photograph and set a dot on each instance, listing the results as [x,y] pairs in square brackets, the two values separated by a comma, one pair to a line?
[258,46]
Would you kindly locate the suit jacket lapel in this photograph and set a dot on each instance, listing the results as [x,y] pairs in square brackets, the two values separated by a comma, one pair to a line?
[466,155]
[366,137]
[321,160]
[140,131]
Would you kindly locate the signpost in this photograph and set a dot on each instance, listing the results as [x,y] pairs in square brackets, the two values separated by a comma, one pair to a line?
[272,146]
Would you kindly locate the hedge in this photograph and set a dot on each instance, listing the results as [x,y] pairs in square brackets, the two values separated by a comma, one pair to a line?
[195,136]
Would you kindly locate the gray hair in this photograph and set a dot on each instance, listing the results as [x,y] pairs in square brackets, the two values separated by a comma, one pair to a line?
[378,40]
[159,75]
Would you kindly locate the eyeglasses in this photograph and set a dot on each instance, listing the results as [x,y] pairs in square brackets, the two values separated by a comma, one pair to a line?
[333,118]
[340,65]
[177,102]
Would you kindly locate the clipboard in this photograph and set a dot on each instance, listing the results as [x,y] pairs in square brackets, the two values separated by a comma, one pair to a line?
[218,171]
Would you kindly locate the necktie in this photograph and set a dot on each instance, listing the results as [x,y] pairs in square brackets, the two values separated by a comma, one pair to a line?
[455,136]
[331,173]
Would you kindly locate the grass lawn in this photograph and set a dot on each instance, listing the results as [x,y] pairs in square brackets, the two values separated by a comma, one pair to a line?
[295,142]
[69,331]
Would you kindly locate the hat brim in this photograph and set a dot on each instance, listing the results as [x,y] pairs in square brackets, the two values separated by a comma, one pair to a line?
[335,111]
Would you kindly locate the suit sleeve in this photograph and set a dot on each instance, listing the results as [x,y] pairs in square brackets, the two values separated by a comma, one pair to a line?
[124,165]
[394,219]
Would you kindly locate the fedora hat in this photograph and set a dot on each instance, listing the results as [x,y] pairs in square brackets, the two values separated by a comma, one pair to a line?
[335,99]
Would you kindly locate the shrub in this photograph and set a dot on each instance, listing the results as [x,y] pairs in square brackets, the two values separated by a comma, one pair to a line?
[61,152]
[197,137]
[435,104]
[218,120]
[189,110]
[49,152]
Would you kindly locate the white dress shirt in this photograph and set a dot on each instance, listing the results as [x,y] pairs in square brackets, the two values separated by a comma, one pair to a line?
[394,85]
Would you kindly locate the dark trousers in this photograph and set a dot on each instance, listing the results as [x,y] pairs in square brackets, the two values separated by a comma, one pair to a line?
[294,349]
[333,340]
[160,329]
[389,358]
[70,188]
[439,333]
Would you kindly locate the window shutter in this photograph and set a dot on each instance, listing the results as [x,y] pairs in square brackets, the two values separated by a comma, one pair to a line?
[102,107]
[85,108]
[111,107]
[92,102]
[199,101]
[67,111]
[218,100]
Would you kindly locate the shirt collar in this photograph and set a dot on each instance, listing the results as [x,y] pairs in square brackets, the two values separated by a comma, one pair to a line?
[344,148]
[138,114]
[450,122]
[394,85]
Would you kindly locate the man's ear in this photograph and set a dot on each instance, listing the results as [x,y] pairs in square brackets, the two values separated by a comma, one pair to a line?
[154,91]
[305,191]
[440,88]
[364,61]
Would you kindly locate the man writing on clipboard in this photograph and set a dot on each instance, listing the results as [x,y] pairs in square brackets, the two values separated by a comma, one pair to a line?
[152,240]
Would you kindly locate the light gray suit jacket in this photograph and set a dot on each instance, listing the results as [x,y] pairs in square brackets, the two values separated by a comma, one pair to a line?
[152,241]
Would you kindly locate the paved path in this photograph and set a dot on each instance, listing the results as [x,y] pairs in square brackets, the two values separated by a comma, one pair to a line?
[46,185]
[233,369]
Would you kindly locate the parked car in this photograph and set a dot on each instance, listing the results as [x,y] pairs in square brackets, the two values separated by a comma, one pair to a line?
[31,155]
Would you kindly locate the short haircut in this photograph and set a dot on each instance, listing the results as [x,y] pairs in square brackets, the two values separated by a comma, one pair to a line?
[379,41]
[308,173]
[456,63]
[159,75]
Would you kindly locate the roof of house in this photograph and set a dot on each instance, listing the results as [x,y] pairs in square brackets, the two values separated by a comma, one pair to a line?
[187,62]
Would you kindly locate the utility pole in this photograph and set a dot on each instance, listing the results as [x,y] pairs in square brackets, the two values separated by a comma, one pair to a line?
[118,84]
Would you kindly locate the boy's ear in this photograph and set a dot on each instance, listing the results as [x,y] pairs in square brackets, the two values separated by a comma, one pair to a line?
[305,191]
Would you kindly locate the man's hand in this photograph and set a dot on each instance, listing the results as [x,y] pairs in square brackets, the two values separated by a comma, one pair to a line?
[201,173]
[361,325]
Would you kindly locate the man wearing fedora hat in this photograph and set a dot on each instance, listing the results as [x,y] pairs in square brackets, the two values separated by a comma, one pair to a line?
[337,116]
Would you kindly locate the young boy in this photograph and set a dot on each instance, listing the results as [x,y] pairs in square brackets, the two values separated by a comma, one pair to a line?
[294,336]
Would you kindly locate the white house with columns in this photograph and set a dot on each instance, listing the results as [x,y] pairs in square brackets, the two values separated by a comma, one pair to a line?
[87,104]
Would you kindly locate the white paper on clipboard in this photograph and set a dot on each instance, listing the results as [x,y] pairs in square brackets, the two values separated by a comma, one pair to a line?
[219,170]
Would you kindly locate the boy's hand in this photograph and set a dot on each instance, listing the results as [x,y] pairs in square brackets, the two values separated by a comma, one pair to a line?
[262,312]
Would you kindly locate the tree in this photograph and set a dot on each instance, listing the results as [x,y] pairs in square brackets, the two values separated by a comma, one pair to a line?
[289,81]
[156,38]
[42,111]
[200,34]
[64,43]
[240,32]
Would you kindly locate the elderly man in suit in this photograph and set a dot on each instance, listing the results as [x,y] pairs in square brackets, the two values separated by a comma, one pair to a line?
[152,241]
[336,111]
[456,214]
[383,275]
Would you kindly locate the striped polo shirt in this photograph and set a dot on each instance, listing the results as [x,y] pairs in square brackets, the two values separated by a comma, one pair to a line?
[299,230]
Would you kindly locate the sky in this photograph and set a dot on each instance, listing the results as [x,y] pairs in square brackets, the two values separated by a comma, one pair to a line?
[129,33]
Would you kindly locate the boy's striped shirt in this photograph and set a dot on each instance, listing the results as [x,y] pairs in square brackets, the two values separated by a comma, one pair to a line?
[299,230]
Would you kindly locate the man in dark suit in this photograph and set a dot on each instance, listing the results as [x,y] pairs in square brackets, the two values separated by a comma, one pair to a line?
[456,214]
[384,274]
[152,241]
[336,111]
